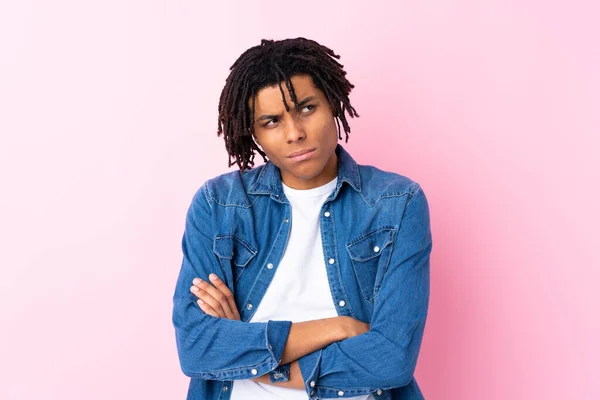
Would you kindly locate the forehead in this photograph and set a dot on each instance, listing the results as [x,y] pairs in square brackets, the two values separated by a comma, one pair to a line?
[269,99]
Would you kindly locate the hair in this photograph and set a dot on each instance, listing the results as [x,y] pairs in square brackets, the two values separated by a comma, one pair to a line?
[269,64]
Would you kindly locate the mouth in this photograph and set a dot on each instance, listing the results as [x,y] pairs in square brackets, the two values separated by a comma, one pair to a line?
[301,154]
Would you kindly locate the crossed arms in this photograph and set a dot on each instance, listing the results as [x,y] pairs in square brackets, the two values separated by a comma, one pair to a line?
[215,299]
[332,353]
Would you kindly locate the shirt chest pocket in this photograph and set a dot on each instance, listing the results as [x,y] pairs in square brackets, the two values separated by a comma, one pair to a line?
[234,254]
[370,256]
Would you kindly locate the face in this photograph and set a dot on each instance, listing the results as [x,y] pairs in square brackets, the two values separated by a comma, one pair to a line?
[302,144]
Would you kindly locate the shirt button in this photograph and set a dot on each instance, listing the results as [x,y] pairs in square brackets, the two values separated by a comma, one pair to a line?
[379,392]
[331,261]
[376,249]
[342,303]
[249,306]
[254,372]
[327,213]
[341,393]
[286,220]
[225,388]
[270,266]
[312,383]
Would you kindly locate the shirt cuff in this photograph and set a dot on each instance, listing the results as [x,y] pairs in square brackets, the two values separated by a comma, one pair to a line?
[309,367]
[277,335]
[280,374]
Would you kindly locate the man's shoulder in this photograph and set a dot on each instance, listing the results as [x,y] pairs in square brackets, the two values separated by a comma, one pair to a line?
[377,183]
[230,188]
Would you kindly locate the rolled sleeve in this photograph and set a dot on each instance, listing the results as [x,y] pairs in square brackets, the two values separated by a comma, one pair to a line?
[309,367]
[277,335]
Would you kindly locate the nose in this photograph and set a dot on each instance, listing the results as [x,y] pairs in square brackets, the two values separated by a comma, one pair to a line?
[294,130]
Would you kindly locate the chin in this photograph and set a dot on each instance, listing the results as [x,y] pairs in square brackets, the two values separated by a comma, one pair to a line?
[307,172]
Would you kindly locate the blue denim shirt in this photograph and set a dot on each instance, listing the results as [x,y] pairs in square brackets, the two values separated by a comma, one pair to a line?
[376,243]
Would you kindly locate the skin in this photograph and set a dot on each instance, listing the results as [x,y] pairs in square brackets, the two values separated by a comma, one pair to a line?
[279,132]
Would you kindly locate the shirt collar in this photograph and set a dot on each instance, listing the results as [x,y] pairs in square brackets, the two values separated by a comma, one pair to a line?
[269,180]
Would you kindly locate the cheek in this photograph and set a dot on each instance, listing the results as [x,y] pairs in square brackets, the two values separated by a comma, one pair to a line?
[269,147]
[330,131]
[262,143]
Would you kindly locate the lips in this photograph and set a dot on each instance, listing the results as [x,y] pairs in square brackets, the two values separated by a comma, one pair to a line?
[301,154]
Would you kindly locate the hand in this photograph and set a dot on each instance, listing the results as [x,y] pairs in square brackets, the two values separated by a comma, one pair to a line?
[215,299]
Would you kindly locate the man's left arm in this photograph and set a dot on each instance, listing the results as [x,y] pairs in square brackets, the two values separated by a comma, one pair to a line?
[386,356]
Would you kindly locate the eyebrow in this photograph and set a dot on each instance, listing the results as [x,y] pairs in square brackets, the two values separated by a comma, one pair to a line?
[300,104]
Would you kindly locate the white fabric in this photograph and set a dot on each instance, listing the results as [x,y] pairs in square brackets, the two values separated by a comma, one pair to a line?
[299,290]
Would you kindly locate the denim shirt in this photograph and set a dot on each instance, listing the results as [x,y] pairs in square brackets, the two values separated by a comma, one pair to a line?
[376,243]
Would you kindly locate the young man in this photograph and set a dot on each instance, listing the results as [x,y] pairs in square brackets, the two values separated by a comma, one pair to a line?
[308,276]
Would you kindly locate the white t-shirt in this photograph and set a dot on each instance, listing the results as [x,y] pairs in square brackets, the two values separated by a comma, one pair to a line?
[299,290]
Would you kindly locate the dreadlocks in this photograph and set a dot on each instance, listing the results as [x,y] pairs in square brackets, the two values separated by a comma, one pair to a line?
[269,64]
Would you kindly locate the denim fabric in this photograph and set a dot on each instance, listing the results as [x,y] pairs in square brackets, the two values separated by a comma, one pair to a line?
[376,242]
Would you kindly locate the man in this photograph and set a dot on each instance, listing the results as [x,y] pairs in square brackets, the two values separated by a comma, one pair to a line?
[308,276]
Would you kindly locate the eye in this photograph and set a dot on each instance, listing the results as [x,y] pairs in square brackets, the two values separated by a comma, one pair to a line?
[309,105]
[272,120]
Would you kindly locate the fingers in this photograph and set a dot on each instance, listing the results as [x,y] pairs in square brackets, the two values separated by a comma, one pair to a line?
[216,302]
[206,293]
[222,287]
[208,309]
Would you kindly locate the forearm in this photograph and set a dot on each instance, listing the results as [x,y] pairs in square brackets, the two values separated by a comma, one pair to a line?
[309,336]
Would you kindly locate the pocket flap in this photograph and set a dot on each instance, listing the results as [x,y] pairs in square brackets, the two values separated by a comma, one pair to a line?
[233,248]
[370,245]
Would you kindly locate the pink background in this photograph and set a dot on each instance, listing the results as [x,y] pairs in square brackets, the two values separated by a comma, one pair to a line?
[108,126]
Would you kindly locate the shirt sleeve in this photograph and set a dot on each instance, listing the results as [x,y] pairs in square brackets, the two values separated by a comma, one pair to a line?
[386,356]
[209,347]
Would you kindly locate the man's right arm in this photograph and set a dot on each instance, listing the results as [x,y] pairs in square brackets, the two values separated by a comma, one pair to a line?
[307,337]
[303,337]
